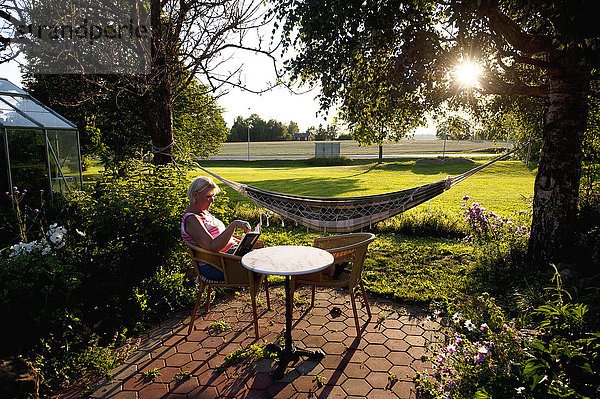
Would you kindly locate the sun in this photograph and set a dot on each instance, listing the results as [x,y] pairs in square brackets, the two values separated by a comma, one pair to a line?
[467,73]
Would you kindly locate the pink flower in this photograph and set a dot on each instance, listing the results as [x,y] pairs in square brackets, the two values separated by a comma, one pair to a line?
[451,348]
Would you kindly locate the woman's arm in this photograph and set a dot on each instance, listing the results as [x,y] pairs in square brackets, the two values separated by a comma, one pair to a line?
[195,228]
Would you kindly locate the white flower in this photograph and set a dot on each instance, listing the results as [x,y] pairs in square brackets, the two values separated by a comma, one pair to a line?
[520,390]
[46,250]
[469,325]
[81,233]
[456,317]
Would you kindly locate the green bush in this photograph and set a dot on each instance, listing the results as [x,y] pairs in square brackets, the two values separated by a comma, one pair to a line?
[118,268]
[335,161]
[488,357]
[423,223]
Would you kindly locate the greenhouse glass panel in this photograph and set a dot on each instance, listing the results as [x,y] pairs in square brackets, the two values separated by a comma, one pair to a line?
[28,166]
[8,87]
[36,112]
[64,160]
[10,117]
[4,172]
[40,148]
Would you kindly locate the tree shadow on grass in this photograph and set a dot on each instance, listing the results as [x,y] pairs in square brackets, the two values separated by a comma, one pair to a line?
[312,186]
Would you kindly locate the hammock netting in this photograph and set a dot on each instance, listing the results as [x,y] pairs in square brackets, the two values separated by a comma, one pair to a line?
[345,214]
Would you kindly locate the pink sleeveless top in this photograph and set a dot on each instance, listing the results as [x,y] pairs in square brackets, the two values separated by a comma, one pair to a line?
[213,225]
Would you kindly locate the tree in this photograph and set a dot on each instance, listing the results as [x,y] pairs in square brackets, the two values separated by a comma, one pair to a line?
[259,130]
[546,50]
[454,128]
[292,129]
[112,126]
[198,124]
[189,40]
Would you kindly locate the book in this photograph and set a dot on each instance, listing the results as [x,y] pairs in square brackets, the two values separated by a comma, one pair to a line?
[247,242]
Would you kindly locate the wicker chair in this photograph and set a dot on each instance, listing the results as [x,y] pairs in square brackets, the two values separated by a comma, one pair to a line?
[350,248]
[235,275]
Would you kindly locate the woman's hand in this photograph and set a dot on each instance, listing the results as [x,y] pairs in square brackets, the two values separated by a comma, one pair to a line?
[242,224]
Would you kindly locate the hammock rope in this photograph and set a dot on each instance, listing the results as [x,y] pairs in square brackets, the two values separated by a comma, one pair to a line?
[345,214]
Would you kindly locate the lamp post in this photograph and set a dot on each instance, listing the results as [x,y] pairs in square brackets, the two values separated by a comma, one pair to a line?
[444,150]
[248,135]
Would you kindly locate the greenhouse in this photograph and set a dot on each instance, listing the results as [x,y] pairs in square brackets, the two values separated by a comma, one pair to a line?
[39,148]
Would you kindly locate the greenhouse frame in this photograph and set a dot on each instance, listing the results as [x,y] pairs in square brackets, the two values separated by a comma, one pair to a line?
[39,149]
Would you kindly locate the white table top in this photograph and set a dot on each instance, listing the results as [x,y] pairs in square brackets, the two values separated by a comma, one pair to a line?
[287,260]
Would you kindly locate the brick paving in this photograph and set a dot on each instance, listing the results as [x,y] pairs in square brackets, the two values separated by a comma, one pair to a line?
[380,365]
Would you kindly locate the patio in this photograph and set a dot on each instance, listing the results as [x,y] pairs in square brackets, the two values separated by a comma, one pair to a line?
[381,365]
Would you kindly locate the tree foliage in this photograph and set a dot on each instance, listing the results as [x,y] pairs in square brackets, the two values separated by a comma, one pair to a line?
[328,133]
[260,130]
[454,128]
[111,124]
[384,59]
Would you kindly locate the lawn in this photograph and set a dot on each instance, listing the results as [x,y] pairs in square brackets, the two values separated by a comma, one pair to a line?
[400,264]
[351,147]
[501,187]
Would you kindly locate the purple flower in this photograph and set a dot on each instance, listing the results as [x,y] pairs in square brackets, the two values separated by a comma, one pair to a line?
[466,198]
[479,358]
[483,327]
[36,210]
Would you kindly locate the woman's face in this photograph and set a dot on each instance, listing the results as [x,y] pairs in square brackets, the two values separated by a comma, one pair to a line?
[204,199]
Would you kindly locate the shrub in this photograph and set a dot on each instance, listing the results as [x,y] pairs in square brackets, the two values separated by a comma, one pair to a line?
[335,161]
[117,269]
[436,223]
[487,357]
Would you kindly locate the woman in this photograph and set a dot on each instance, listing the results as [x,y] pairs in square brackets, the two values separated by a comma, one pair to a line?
[200,228]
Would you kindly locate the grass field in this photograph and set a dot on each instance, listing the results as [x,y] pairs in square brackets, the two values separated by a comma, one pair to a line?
[351,147]
[412,267]
[500,187]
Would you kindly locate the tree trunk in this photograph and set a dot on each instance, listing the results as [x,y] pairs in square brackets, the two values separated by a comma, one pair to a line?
[160,110]
[553,229]
[380,153]
[161,125]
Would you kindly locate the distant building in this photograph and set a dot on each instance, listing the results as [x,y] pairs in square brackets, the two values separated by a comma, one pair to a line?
[302,136]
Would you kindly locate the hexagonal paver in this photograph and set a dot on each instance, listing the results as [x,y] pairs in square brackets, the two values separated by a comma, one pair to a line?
[356,387]
[355,368]
[377,351]
[378,380]
[396,345]
[378,364]
[375,338]
[400,358]
[333,348]
[178,359]
[314,341]
[415,340]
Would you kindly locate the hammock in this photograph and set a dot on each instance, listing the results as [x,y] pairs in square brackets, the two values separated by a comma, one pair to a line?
[344,214]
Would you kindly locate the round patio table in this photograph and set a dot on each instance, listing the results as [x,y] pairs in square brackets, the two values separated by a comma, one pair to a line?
[287,260]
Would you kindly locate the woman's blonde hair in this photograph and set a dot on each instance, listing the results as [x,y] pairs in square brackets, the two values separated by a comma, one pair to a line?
[200,184]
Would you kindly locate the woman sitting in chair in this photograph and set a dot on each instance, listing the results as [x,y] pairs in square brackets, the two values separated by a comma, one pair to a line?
[200,228]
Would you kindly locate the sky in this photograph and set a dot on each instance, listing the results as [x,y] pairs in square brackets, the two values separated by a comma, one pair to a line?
[278,103]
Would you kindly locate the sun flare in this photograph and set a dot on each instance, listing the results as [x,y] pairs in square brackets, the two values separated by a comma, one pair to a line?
[467,73]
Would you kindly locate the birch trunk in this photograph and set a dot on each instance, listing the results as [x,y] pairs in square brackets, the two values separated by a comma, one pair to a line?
[556,191]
